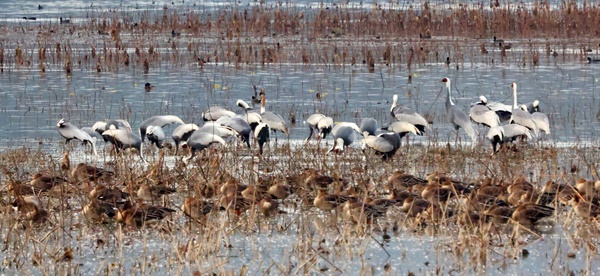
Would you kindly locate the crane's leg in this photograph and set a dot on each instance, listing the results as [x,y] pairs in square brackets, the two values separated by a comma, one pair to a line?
[309,135]
[456,138]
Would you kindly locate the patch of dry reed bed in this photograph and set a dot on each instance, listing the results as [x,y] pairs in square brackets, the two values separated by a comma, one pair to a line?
[199,209]
[184,39]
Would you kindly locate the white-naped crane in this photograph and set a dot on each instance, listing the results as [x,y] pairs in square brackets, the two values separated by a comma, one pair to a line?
[250,116]
[160,121]
[273,120]
[156,135]
[384,144]
[71,132]
[215,112]
[262,135]
[457,117]
[482,114]
[503,111]
[368,125]
[320,125]
[541,120]
[201,140]
[240,126]
[344,134]
[123,139]
[182,133]
[520,116]
[499,135]
[406,114]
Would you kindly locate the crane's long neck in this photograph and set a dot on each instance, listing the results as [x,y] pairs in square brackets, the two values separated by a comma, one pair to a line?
[263,102]
[394,102]
[141,153]
[449,101]
[515,96]
[94,147]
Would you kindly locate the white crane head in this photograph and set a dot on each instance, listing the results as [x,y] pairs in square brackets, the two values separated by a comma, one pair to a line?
[483,99]
[394,102]
[449,87]
[61,122]
[536,103]
[524,108]
[99,126]
[150,130]
[447,82]
[243,105]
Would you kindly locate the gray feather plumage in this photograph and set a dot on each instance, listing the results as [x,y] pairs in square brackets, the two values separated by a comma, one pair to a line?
[368,125]
[201,140]
[160,120]
[123,139]
[482,114]
[344,134]
[406,114]
[457,117]
[182,133]
[215,112]
[70,132]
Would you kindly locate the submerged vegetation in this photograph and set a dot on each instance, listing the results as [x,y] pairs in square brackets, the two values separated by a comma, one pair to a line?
[197,215]
[433,207]
[183,37]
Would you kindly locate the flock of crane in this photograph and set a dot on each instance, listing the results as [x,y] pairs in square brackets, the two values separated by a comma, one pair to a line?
[522,121]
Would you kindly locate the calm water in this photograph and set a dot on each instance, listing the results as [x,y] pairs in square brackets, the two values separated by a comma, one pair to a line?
[31,103]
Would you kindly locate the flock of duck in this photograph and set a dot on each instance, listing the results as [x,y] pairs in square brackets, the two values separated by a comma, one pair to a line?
[135,198]
[221,125]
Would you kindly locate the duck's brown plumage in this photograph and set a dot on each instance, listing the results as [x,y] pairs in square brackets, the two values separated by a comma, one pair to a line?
[564,192]
[83,172]
[414,205]
[360,212]
[585,209]
[434,193]
[99,211]
[45,182]
[328,202]
[530,213]
[280,190]
[31,209]
[154,192]
[20,189]
[498,214]
[110,195]
[66,163]
[403,181]
[140,214]
[268,206]
[197,208]
[520,184]
[255,193]
[585,188]
[235,203]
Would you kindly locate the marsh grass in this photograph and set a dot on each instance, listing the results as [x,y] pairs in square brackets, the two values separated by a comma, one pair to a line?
[402,37]
[309,240]
[300,238]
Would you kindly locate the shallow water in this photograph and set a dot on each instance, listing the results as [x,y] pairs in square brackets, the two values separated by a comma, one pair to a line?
[31,103]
